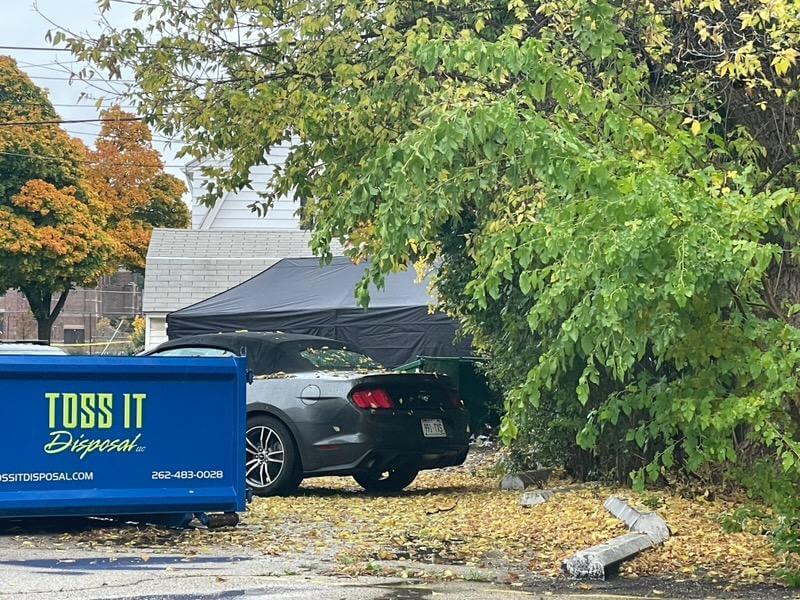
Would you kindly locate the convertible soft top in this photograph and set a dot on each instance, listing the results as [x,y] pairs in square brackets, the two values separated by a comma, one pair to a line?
[267,352]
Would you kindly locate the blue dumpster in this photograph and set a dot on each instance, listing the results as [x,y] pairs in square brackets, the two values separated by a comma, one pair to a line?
[121,436]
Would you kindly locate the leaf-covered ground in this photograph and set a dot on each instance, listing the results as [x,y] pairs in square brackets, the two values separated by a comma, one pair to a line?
[459,517]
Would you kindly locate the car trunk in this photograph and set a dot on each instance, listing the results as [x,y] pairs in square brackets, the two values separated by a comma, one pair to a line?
[412,391]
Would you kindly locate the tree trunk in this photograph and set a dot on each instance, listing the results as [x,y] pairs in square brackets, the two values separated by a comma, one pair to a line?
[782,288]
[44,329]
[41,303]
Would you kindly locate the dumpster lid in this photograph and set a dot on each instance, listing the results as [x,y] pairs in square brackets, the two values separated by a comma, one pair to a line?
[29,347]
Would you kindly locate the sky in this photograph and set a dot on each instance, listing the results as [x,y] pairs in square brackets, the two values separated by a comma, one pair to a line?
[22,25]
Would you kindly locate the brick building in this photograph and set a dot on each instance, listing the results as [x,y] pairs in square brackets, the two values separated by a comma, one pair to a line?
[90,315]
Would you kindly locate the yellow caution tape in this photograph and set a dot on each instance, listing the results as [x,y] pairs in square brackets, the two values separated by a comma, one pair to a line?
[87,344]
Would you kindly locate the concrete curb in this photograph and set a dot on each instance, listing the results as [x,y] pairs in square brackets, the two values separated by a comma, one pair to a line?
[536,497]
[516,482]
[599,561]
[647,529]
[649,523]
[533,498]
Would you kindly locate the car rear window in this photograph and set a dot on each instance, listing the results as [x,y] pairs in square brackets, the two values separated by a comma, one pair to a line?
[326,358]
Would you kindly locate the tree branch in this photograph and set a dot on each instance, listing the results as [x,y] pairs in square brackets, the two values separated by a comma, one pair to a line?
[62,299]
[781,167]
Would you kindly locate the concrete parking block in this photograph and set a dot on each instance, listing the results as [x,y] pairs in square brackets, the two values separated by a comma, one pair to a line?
[599,561]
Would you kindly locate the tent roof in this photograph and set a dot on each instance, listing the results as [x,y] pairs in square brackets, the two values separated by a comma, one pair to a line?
[302,284]
[185,266]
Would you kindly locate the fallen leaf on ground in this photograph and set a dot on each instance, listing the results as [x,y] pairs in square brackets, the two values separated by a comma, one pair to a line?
[334,518]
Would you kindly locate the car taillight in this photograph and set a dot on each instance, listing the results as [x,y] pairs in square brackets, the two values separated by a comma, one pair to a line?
[456,400]
[372,398]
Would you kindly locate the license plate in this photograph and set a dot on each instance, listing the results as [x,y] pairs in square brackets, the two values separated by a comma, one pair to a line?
[433,428]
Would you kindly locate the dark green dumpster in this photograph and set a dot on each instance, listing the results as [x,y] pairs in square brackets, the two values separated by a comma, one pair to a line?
[480,400]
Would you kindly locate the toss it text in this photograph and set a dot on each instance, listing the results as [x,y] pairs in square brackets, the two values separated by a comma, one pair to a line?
[73,416]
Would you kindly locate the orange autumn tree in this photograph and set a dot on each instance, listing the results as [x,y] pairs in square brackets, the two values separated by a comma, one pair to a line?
[128,174]
[52,222]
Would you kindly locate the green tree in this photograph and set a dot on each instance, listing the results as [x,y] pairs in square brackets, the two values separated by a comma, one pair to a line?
[52,223]
[610,188]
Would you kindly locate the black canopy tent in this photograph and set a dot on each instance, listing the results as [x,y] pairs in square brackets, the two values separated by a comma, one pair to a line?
[298,295]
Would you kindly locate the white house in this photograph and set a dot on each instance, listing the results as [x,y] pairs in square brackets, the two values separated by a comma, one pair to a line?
[228,243]
[232,210]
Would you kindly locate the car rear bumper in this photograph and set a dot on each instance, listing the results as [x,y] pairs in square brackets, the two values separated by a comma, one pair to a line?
[386,441]
[385,459]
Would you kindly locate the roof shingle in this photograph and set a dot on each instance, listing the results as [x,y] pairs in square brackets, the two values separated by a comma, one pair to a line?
[185,266]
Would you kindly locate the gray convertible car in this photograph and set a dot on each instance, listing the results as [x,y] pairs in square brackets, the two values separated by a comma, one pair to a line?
[318,407]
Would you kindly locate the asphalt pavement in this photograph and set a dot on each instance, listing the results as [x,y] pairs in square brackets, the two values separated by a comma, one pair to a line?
[37,561]
[43,574]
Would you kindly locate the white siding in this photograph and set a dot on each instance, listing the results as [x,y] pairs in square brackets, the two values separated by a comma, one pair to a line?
[155,331]
[198,213]
[232,210]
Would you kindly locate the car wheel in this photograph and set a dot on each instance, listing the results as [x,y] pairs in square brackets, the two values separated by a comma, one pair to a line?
[272,464]
[393,480]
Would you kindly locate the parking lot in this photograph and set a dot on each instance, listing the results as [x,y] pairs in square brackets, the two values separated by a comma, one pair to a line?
[452,527]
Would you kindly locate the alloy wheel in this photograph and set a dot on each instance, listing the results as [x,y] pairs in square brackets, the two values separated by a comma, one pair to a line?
[265,456]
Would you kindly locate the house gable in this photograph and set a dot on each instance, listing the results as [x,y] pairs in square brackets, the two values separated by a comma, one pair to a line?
[232,210]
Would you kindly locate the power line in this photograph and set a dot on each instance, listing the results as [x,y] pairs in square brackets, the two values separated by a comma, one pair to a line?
[89,80]
[48,65]
[79,105]
[52,49]
[118,164]
[177,141]
[104,107]
[35,48]
[154,138]
[88,161]
[62,121]
[76,77]
[136,3]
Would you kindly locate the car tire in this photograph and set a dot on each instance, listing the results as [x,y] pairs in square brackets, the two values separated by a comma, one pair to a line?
[272,463]
[384,482]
